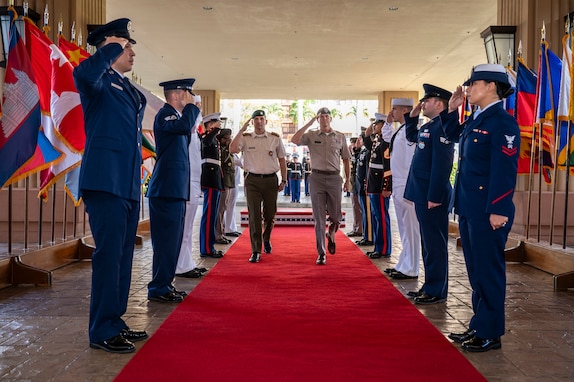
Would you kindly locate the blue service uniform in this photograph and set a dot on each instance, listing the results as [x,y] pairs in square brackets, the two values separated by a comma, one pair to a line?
[295,181]
[110,183]
[363,159]
[487,166]
[211,186]
[378,180]
[429,180]
[168,192]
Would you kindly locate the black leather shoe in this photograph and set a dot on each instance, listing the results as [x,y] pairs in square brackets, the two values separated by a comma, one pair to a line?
[321,260]
[331,246]
[479,345]
[267,247]
[425,299]
[389,271]
[193,274]
[168,297]
[415,293]
[354,234]
[377,255]
[222,241]
[202,271]
[462,337]
[215,255]
[401,276]
[255,257]
[134,335]
[364,242]
[116,344]
[233,234]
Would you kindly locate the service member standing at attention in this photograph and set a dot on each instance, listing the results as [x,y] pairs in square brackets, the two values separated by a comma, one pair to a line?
[263,156]
[327,147]
[379,187]
[211,185]
[363,160]
[402,152]
[487,165]
[110,179]
[428,187]
[295,179]
[168,188]
[357,216]
[228,168]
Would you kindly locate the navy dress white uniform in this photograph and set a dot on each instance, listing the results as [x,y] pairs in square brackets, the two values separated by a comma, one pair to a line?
[168,191]
[110,180]
[487,166]
[211,186]
[429,181]
[379,179]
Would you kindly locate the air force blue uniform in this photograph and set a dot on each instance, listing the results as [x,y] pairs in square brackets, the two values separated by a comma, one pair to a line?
[428,180]
[110,181]
[168,192]
[487,165]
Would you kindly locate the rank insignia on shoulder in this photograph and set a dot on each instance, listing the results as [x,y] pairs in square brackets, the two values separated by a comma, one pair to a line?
[246,134]
[170,118]
[275,134]
[114,85]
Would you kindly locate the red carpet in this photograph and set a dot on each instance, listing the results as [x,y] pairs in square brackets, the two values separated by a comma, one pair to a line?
[287,319]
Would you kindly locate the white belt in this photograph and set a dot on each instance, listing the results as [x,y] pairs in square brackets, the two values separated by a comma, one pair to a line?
[377,166]
[212,161]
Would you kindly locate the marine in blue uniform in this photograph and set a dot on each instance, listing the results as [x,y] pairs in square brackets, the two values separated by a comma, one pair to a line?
[211,185]
[363,159]
[168,188]
[379,187]
[489,143]
[428,187]
[110,179]
[295,179]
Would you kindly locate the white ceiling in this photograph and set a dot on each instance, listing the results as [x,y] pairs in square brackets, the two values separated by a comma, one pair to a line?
[306,49]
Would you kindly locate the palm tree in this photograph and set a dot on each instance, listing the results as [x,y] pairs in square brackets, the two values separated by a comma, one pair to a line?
[335,113]
[308,113]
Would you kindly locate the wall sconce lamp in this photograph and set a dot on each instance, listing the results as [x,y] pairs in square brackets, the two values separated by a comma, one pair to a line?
[499,44]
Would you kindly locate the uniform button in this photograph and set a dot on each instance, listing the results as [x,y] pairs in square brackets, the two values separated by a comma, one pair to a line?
[480,187]
[459,158]
[475,140]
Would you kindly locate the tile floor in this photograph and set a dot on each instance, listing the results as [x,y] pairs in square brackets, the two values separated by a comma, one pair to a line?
[43,330]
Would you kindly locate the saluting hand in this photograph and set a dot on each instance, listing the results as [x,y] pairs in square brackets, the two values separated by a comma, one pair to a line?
[456,99]
[416,110]
[120,40]
[245,126]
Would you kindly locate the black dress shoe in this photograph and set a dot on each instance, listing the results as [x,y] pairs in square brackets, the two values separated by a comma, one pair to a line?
[215,255]
[401,276]
[202,271]
[377,255]
[321,260]
[134,335]
[479,345]
[267,247]
[389,271]
[331,246]
[193,274]
[168,297]
[117,344]
[222,241]
[415,293]
[354,234]
[426,299]
[364,242]
[233,234]
[462,337]
[255,257]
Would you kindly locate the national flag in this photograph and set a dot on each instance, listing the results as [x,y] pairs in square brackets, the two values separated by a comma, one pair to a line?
[148,148]
[21,109]
[466,110]
[73,52]
[72,185]
[49,62]
[524,112]
[564,129]
[548,90]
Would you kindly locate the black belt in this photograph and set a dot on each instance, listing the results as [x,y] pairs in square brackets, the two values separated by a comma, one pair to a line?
[325,172]
[262,175]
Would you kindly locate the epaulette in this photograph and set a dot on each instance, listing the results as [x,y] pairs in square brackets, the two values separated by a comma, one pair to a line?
[246,134]
[275,134]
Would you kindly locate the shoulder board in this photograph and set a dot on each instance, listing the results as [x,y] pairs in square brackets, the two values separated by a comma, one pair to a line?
[246,134]
[275,134]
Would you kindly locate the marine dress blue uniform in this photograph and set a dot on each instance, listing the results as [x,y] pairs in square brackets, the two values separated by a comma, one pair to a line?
[110,181]
[429,180]
[168,189]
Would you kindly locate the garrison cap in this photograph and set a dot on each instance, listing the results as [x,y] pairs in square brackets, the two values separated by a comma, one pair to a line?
[184,84]
[488,72]
[211,117]
[435,91]
[117,28]
[258,113]
[402,102]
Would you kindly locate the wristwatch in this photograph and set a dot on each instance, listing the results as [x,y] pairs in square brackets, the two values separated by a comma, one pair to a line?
[283,181]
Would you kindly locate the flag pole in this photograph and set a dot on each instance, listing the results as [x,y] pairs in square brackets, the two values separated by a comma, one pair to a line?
[566,186]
